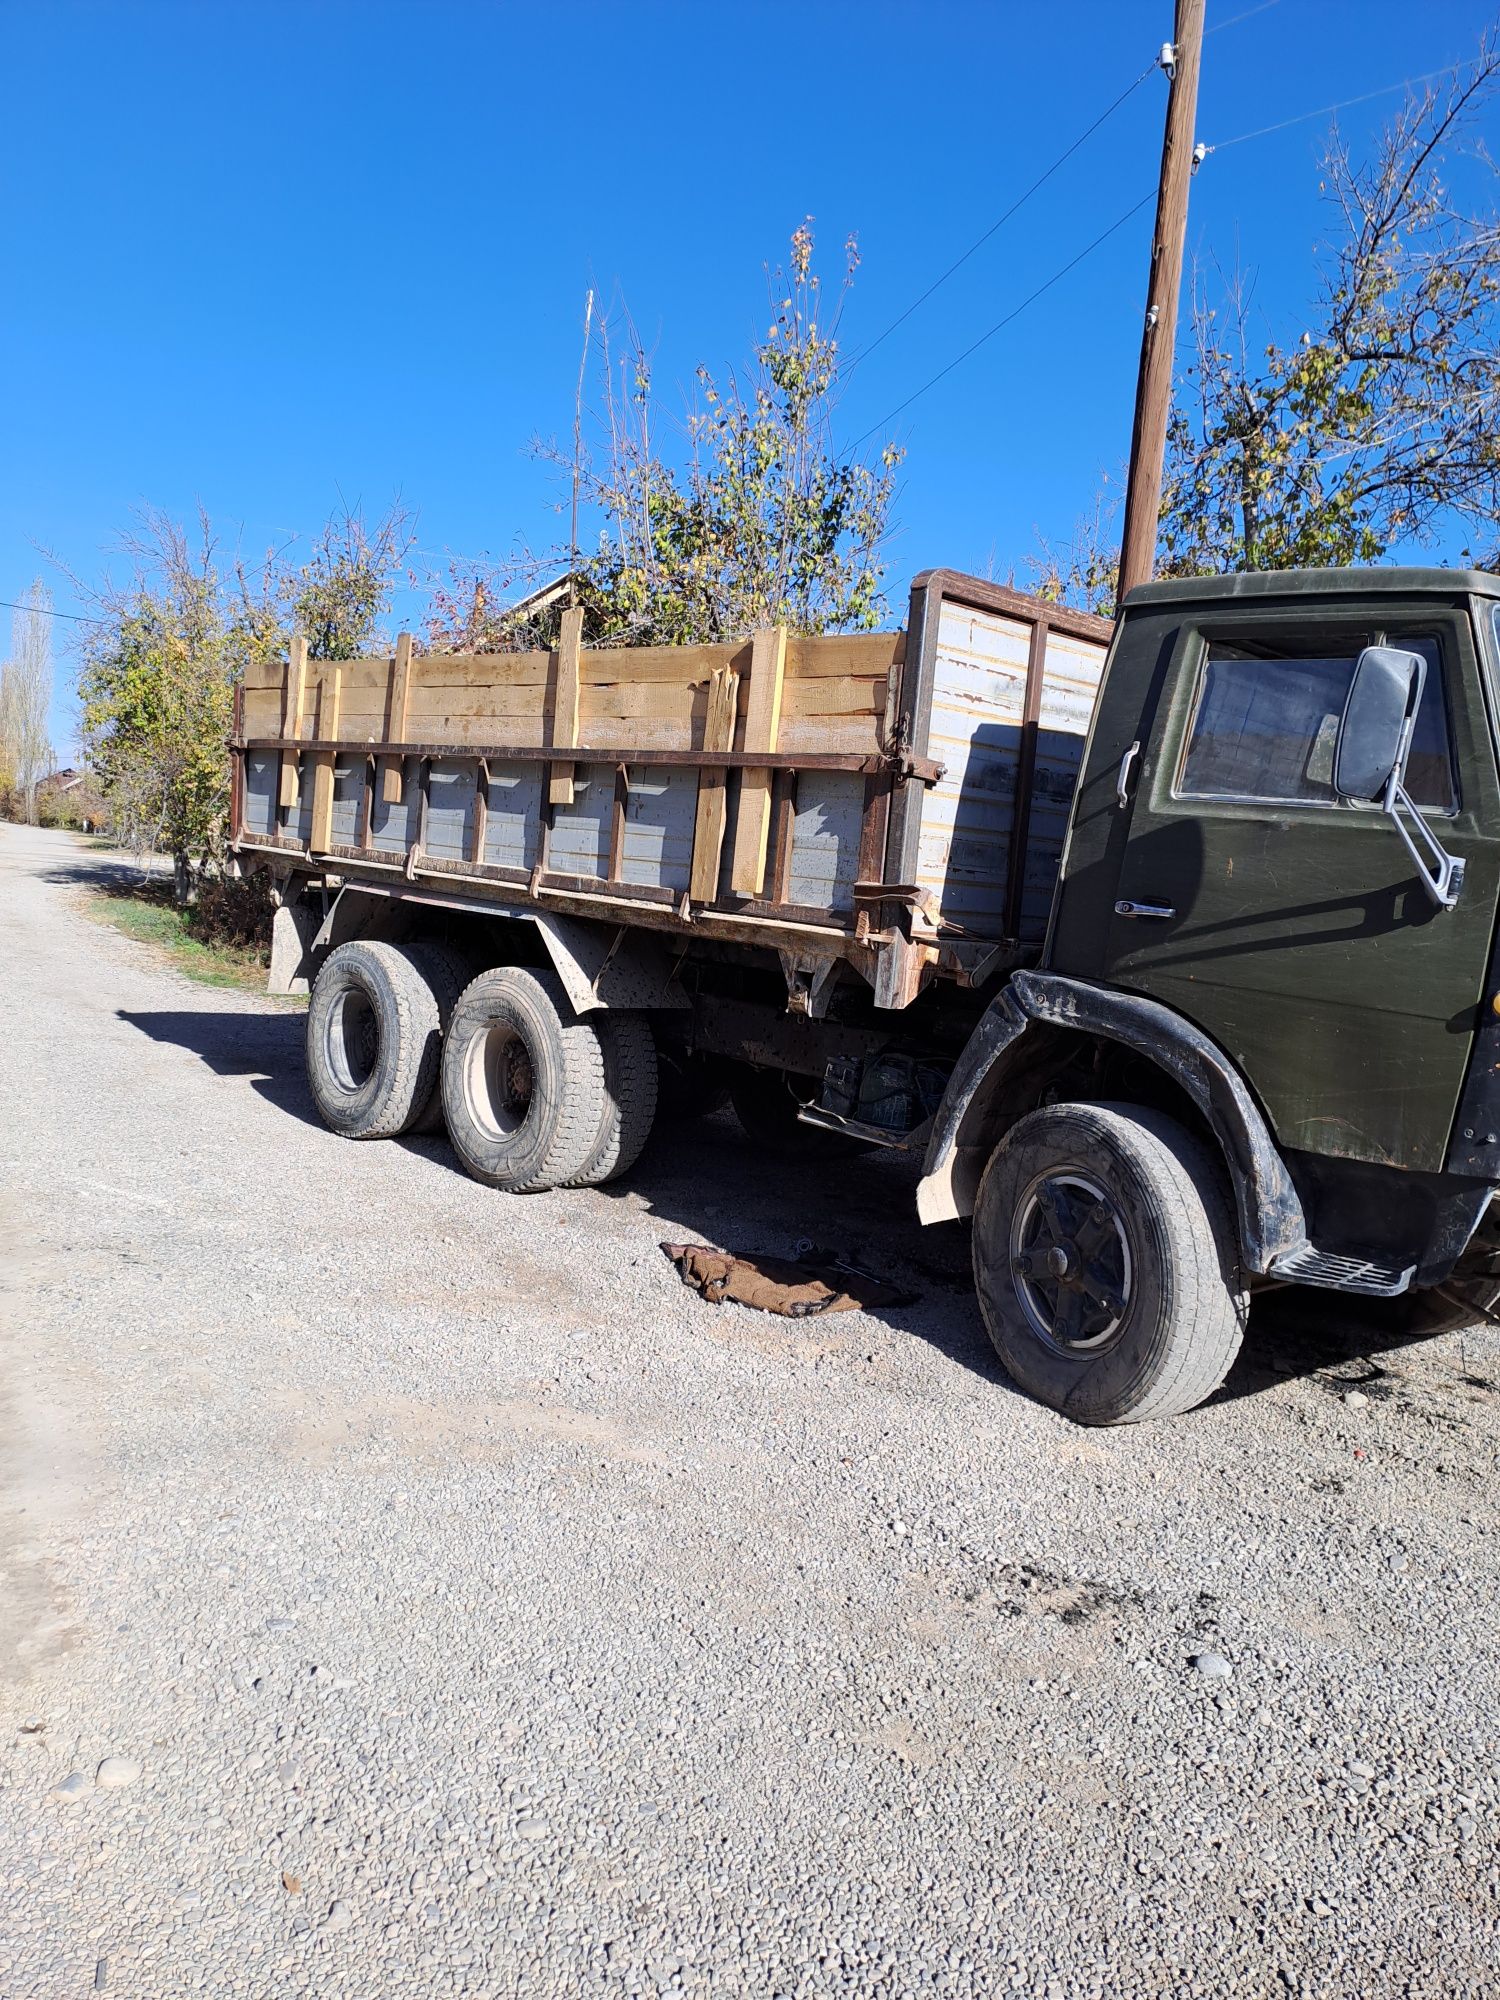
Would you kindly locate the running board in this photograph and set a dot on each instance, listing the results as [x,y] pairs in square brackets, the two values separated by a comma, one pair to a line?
[1308,1266]
[871,1135]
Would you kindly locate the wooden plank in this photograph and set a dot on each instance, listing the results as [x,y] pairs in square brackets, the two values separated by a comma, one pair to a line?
[293,714]
[619,808]
[395,720]
[783,824]
[330,686]
[479,819]
[836,694]
[708,830]
[455,670]
[844,735]
[629,666]
[565,703]
[752,825]
[860,654]
[430,709]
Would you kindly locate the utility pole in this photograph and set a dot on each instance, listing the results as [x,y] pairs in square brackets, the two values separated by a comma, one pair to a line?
[1153,394]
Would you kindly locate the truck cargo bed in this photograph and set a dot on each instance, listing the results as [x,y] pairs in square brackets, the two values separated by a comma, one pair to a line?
[896,799]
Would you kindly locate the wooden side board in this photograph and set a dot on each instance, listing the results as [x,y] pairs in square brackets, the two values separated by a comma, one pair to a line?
[643,764]
[833,694]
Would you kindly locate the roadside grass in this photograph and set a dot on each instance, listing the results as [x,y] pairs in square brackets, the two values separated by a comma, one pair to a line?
[146,912]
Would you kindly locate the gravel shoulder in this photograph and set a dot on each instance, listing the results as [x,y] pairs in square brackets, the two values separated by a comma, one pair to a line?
[474,1611]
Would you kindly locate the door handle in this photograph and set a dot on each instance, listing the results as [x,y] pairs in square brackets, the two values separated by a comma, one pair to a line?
[1129,909]
[1122,782]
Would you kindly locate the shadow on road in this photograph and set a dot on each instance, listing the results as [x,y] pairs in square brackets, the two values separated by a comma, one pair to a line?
[707,1179]
[264,1048]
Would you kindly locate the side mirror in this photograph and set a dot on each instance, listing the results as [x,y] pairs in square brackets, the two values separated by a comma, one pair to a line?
[1375,727]
[1370,753]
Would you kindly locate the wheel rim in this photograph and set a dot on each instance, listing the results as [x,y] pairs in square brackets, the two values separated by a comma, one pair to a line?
[1070,1262]
[498,1081]
[351,1039]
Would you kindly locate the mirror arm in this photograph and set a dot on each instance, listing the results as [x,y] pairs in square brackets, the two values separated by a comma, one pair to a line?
[1442,873]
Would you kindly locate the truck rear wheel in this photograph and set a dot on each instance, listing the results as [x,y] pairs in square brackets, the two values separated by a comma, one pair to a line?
[523,1081]
[1106,1261]
[630,1088]
[374,1036]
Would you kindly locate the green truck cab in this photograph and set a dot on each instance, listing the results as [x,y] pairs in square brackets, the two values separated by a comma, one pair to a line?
[1272,962]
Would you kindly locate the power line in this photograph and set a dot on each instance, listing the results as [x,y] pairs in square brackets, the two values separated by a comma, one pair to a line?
[1014,313]
[45,611]
[1018,204]
[1235,19]
[1327,110]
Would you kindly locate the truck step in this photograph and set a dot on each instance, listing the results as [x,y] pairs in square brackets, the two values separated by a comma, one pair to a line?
[1310,1266]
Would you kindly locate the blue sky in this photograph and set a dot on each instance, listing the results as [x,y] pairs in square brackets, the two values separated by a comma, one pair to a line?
[262,256]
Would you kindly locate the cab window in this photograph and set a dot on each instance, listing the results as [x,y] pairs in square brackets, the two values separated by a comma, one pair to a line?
[1267,713]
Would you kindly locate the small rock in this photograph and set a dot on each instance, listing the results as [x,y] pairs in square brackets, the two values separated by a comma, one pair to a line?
[531,1827]
[291,1883]
[116,1772]
[72,1788]
[1212,1666]
[1356,1399]
[280,1624]
[338,1918]
[899,1528]
[1365,1771]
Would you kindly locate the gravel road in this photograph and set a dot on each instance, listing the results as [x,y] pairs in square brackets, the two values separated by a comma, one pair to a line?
[411,1590]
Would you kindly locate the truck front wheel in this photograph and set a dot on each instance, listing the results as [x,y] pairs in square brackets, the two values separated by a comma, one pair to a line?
[523,1082]
[1106,1261]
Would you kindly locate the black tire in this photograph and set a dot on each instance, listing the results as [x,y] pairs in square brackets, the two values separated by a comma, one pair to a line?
[1107,1265]
[766,1102]
[523,1081]
[629,1096]
[447,972]
[374,1039]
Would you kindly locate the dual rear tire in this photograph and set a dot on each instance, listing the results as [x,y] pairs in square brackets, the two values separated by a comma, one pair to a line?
[534,1095]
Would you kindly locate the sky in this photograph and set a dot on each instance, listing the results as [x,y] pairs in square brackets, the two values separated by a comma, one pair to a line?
[270,259]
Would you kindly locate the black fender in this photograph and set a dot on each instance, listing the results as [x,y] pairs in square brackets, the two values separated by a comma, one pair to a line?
[1272,1223]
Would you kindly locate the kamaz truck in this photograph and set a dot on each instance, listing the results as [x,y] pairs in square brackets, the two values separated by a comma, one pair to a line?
[1168,945]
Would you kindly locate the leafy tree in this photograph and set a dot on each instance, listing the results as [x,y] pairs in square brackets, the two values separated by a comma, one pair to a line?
[761,521]
[25,698]
[164,652]
[1380,426]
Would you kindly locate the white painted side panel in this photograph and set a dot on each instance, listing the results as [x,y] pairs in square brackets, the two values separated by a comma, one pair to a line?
[979,693]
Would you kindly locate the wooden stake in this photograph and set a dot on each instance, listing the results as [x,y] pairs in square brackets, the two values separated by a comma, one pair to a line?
[708,831]
[330,700]
[395,728]
[1153,395]
[747,867]
[293,714]
[565,702]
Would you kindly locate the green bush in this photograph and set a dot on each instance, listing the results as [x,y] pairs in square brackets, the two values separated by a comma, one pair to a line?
[234,912]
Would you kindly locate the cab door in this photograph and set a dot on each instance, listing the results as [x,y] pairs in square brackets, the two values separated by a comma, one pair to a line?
[1291,926]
